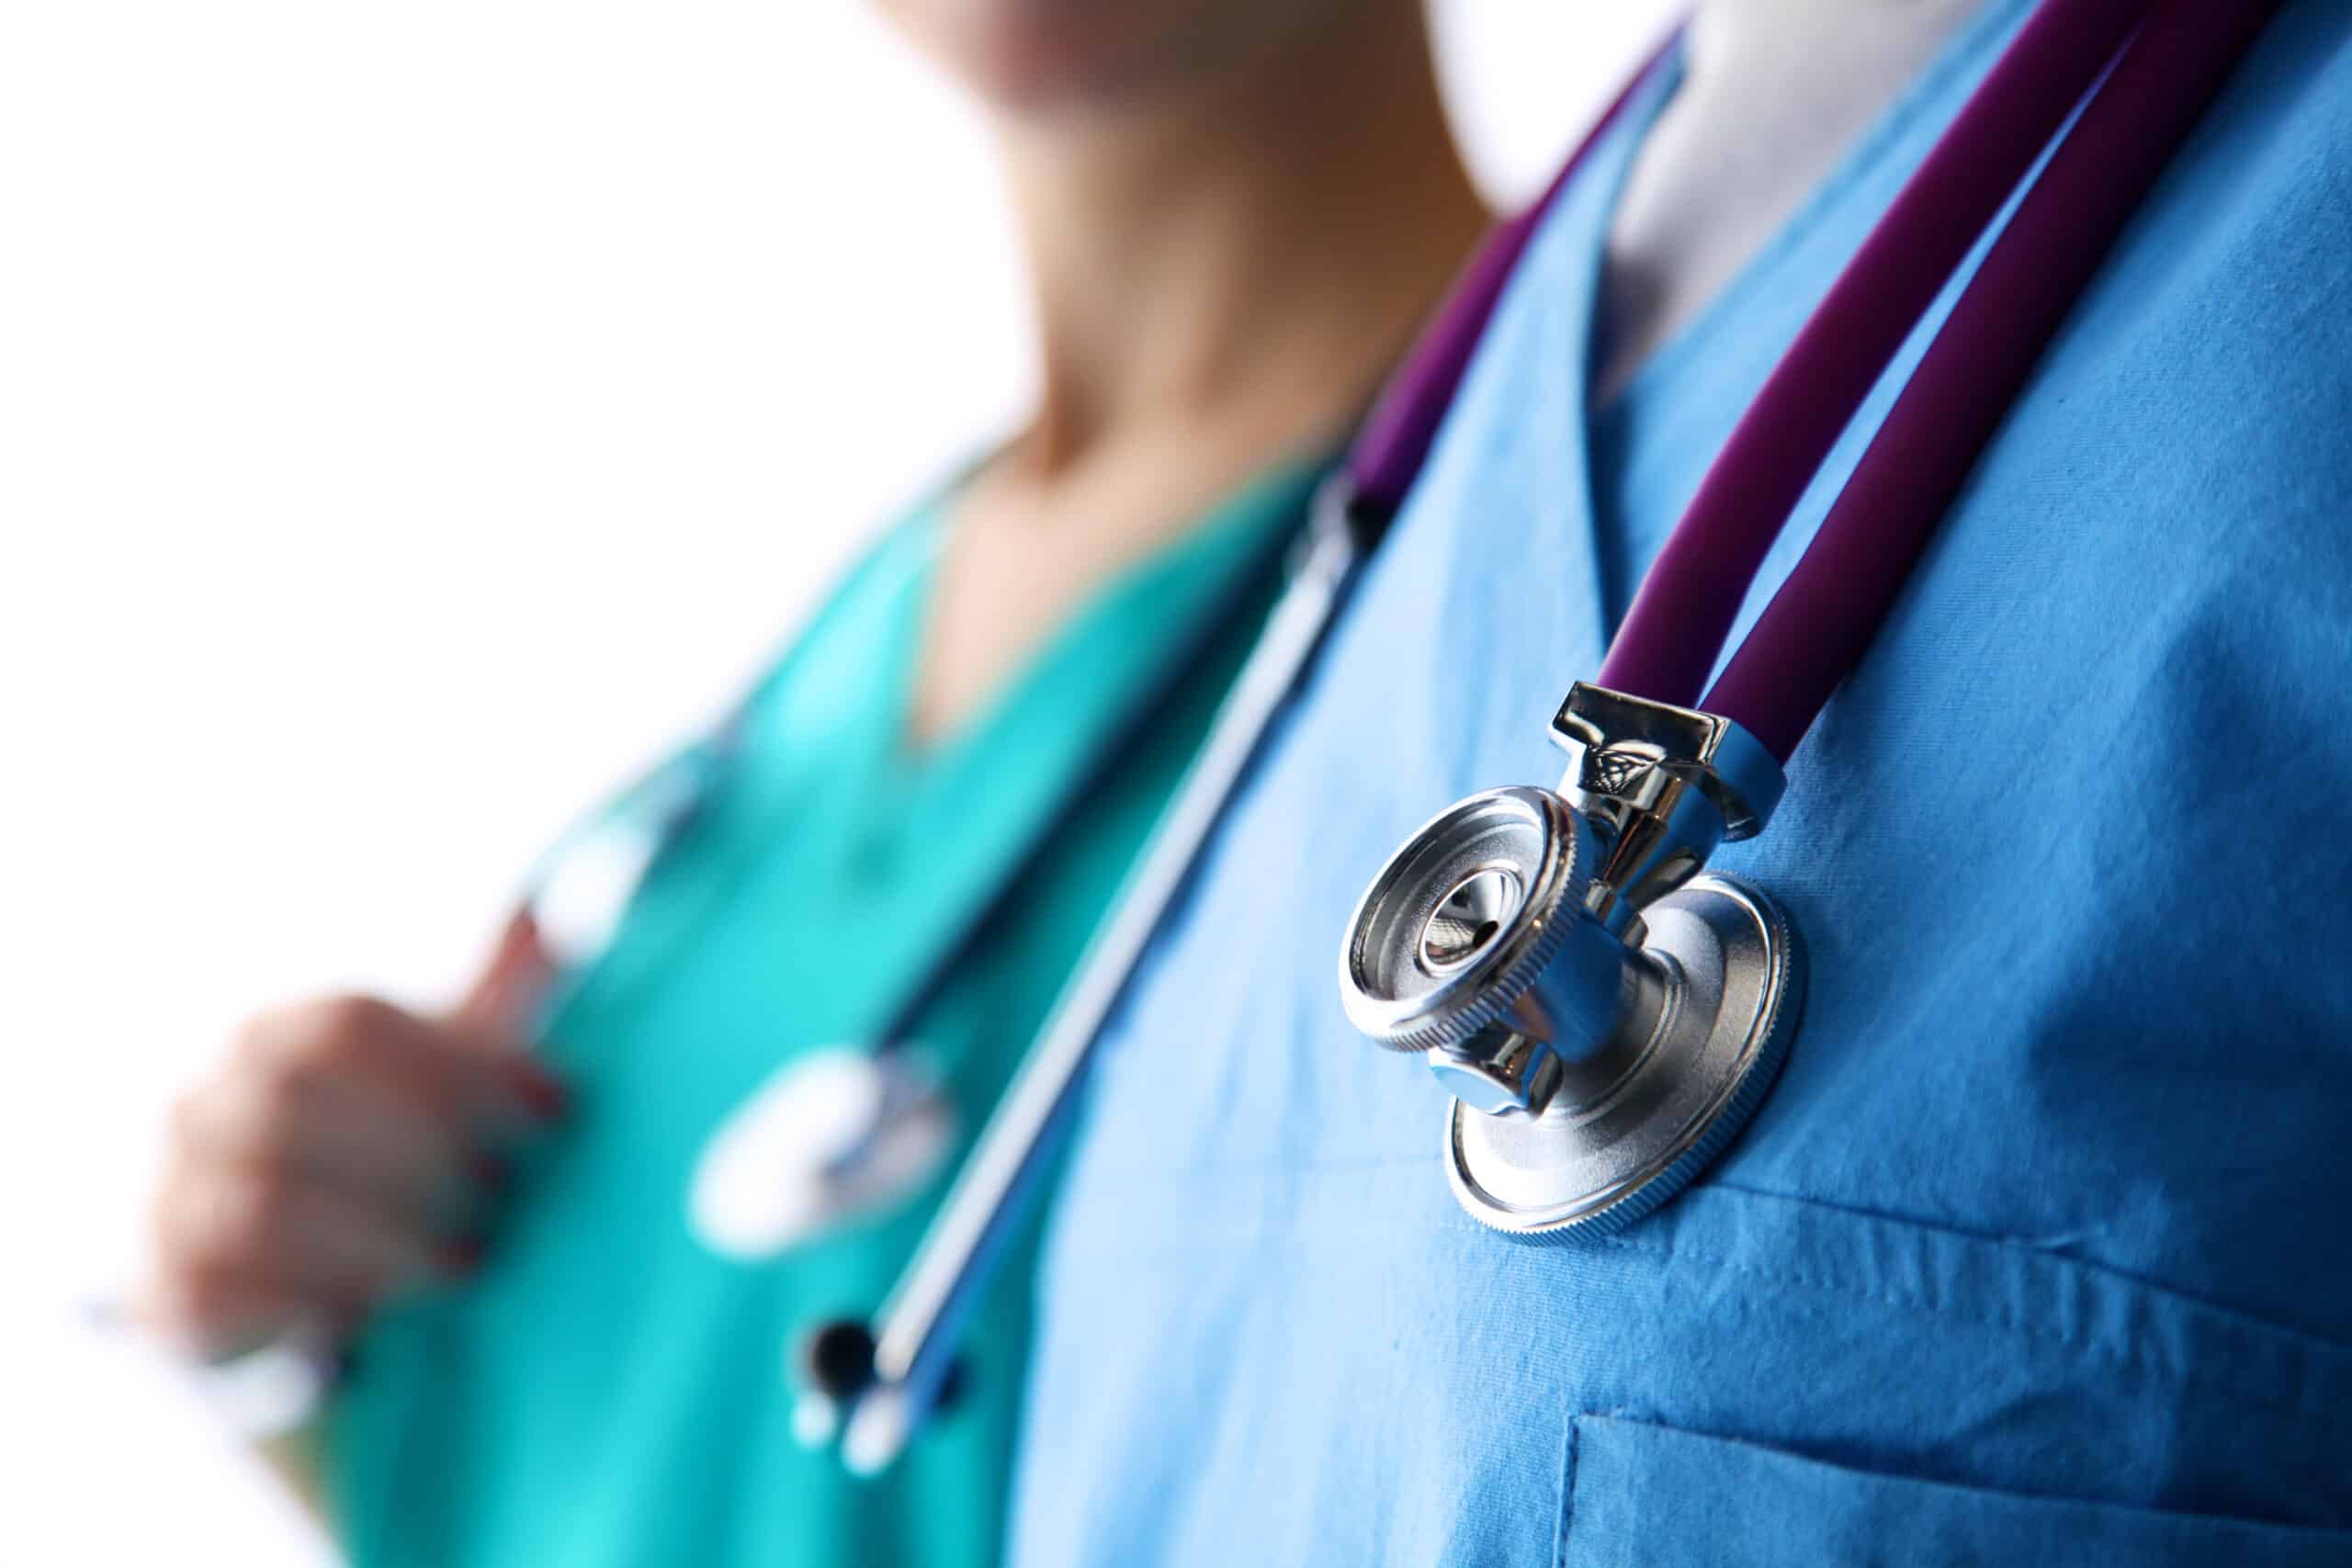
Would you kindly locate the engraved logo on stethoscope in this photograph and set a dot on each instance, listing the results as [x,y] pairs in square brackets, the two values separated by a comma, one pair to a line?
[1617,769]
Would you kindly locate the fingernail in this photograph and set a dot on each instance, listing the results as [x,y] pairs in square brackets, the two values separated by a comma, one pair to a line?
[542,1091]
[490,1171]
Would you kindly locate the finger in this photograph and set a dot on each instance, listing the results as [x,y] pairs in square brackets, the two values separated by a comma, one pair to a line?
[220,1321]
[367,1140]
[443,1068]
[337,1128]
[499,1015]
[505,997]
[359,1135]
[212,1321]
[243,1240]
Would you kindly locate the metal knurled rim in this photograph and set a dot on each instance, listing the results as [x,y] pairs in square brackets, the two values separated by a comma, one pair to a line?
[1731,1118]
[1503,988]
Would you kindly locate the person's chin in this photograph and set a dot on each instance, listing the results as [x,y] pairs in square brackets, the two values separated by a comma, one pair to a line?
[1038,58]
[1064,62]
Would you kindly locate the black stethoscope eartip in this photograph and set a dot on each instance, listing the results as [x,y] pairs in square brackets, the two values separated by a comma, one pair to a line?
[837,1369]
[836,1360]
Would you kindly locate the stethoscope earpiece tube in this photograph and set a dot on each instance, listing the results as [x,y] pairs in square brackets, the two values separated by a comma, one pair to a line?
[874,1408]
[1819,624]
[1675,629]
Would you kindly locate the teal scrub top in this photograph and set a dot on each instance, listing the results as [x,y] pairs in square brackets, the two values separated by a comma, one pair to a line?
[610,1391]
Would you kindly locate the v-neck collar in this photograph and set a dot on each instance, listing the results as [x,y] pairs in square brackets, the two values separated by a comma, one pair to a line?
[1014,770]
[1930,90]
[1518,433]
[1079,657]
[1590,203]
[1584,222]
[919,844]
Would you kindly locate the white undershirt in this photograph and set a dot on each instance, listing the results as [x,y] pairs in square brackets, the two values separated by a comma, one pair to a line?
[1773,93]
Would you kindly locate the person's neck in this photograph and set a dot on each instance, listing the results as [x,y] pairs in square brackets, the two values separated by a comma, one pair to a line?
[1221,283]
[1774,91]
[1243,263]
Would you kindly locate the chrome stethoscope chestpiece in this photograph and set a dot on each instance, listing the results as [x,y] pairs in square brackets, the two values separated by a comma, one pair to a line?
[832,1134]
[1605,1017]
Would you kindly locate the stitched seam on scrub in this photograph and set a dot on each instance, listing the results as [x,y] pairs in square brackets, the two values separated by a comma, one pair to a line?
[2122,1354]
[1185,1180]
[2150,1375]
[1567,1489]
[2260,1356]
[2299,1340]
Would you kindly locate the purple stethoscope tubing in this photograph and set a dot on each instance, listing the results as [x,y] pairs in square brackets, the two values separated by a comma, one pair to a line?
[1822,619]
[1686,605]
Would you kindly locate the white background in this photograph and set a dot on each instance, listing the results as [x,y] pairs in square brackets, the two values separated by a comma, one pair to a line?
[411,416]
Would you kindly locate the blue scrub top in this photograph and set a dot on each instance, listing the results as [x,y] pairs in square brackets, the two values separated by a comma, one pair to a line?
[2039,1253]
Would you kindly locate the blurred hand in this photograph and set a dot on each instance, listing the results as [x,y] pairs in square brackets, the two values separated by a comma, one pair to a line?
[341,1155]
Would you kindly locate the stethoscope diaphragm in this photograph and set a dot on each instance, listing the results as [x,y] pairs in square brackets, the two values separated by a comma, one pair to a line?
[831,1135]
[1713,999]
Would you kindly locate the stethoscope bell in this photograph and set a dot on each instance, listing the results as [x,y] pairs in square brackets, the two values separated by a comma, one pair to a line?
[1605,1017]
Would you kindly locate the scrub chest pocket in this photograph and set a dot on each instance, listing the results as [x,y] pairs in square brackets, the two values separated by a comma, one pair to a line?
[1642,1496]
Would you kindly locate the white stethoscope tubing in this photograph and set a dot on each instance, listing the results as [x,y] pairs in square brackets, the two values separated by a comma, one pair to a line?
[916,1331]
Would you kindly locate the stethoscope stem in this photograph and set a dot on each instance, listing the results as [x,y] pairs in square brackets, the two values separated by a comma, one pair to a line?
[876,1409]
